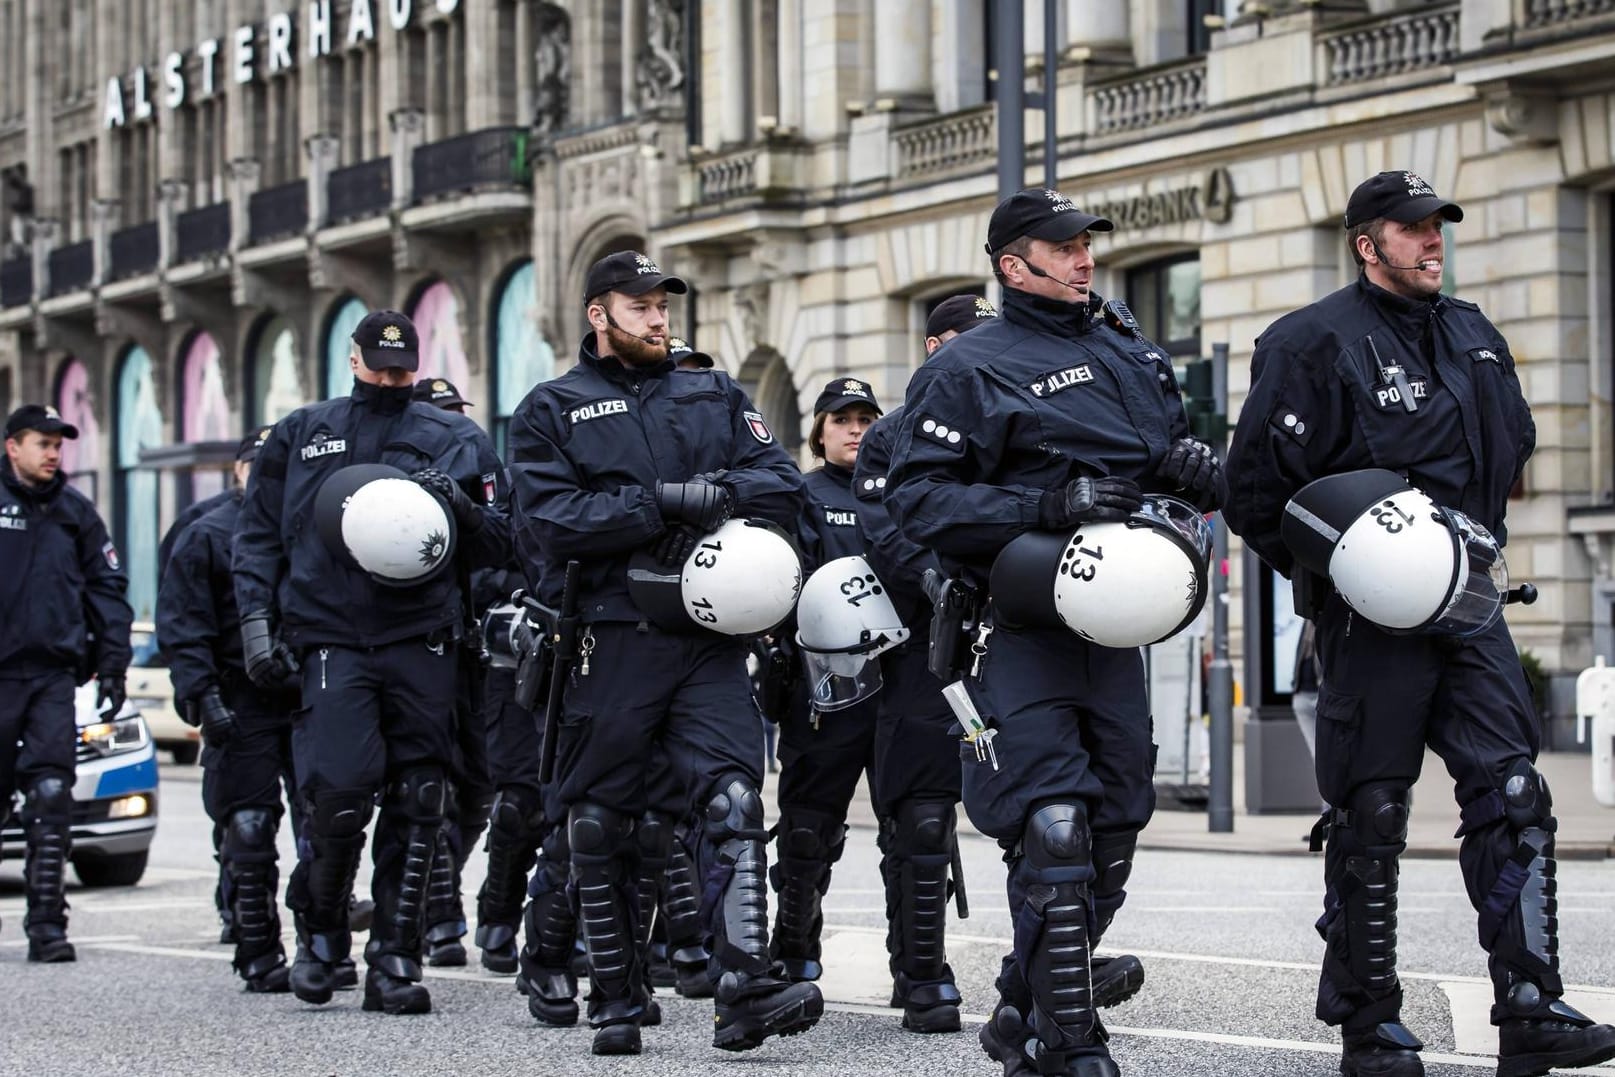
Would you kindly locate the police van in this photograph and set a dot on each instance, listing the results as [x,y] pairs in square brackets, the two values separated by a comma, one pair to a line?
[114,797]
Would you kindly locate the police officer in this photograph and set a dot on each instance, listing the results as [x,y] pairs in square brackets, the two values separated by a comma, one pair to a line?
[246,730]
[1389,373]
[916,757]
[63,593]
[622,453]
[1056,414]
[471,788]
[377,655]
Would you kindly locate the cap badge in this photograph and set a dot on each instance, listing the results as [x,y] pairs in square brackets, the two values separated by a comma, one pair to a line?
[645,264]
[1417,187]
[850,386]
[985,309]
[392,334]
[440,386]
[1060,202]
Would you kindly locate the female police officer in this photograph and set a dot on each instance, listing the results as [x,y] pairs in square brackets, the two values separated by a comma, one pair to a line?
[1044,419]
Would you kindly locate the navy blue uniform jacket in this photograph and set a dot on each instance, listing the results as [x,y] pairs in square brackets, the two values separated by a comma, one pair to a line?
[197,621]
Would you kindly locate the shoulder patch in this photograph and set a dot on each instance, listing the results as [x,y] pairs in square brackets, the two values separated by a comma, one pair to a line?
[950,437]
[1485,355]
[1291,424]
[869,488]
[1055,381]
[322,443]
[758,427]
[596,409]
[110,552]
[490,487]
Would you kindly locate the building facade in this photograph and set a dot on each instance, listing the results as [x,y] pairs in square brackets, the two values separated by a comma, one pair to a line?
[202,195]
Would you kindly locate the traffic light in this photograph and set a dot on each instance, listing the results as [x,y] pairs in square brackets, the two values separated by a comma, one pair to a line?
[1206,421]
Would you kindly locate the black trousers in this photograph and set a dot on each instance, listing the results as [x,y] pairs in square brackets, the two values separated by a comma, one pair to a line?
[249,770]
[38,734]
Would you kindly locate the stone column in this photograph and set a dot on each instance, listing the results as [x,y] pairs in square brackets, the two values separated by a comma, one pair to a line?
[1098,28]
[324,155]
[171,197]
[408,132]
[732,61]
[104,216]
[633,37]
[790,64]
[902,54]
[245,174]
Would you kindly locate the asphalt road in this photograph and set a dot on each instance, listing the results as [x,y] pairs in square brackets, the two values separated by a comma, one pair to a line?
[1227,940]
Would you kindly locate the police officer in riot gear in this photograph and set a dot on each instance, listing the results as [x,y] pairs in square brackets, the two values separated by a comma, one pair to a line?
[1055,414]
[1390,373]
[822,752]
[626,453]
[377,656]
[916,757]
[63,593]
[246,730]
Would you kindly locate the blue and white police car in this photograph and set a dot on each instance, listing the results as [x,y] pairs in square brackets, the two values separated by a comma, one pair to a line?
[114,797]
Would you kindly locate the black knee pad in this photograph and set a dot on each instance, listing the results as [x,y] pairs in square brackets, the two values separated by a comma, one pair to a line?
[1113,862]
[655,837]
[596,832]
[419,795]
[1379,816]
[810,836]
[1057,844]
[49,800]
[924,828]
[735,810]
[556,845]
[1527,800]
[340,813]
[250,834]
[515,814]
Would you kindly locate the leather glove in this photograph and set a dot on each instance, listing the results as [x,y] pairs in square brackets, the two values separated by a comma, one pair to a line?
[1086,500]
[675,546]
[1193,468]
[218,721]
[702,505]
[443,485]
[110,694]
[270,663]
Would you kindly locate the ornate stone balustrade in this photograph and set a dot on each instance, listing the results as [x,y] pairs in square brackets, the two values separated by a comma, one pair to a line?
[1148,98]
[958,140]
[1549,12]
[1389,46]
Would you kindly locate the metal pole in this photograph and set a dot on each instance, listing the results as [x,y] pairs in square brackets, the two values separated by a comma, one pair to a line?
[1010,94]
[1051,72]
[1220,815]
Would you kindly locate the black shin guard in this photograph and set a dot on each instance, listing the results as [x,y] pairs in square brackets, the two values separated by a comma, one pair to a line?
[603,858]
[1359,987]
[808,846]
[47,826]
[513,834]
[918,864]
[250,858]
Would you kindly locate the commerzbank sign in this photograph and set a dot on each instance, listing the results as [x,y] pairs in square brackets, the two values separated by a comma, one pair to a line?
[243,60]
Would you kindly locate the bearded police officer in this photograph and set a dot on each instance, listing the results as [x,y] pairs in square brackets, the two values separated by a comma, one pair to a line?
[367,604]
[63,593]
[625,453]
[1054,416]
[916,756]
[246,730]
[1388,373]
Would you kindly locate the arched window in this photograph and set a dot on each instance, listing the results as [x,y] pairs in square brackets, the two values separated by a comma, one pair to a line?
[339,345]
[436,315]
[277,389]
[522,357]
[81,459]
[139,426]
[204,409]
[1165,297]
[767,380]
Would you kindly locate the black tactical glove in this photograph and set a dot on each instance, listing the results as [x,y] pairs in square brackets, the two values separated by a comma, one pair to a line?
[109,694]
[1085,500]
[218,721]
[1193,468]
[702,505]
[270,663]
[675,546]
[443,485]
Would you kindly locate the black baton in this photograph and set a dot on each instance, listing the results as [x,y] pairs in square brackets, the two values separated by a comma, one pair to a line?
[565,639]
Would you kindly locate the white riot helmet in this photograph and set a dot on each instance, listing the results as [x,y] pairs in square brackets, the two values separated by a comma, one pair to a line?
[845,620]
[741,580]
[377,519]
[1396,557]
[1125,584]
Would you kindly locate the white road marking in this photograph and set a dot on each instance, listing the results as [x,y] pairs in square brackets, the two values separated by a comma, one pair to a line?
[86,940]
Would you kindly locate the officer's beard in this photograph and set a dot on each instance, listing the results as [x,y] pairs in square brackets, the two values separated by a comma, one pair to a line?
[632,350]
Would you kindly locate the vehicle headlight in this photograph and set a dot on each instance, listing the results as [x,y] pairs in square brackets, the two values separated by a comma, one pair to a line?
[110,738]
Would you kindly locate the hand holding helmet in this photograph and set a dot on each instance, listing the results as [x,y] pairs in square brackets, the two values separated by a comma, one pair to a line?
[1194,470]
[701,504]
[443,485]
[675,546]
[1088,500]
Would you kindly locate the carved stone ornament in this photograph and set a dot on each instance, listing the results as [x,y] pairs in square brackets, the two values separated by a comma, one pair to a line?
[552,70]
[659,70]
[1524,115]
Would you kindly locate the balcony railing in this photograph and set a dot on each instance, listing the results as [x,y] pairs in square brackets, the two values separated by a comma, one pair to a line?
[494,157]
[72,267]
[1548,12]
[277,212]
[1391,46]
[1148,98]
[962,140]
[16,282]
[361,190]
[200,232]
[729,176]
[134,251]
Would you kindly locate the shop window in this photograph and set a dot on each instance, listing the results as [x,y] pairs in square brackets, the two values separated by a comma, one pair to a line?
[521,356]
[1165,297]
[139,426]
[81,458]
[276,388]
[204,410]
[339,345]
[436,314]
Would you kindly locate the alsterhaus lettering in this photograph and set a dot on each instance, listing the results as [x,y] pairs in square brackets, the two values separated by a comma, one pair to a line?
[247,57]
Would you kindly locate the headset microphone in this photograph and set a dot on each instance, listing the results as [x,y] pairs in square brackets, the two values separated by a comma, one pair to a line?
[1428,263]
[1036,272]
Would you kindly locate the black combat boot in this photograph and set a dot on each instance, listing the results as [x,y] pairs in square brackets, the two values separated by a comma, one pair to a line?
[47,828]
[1386,1050]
